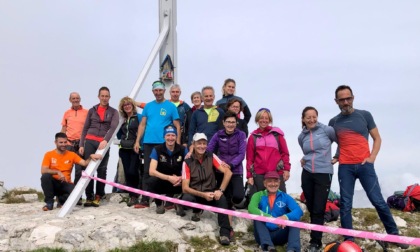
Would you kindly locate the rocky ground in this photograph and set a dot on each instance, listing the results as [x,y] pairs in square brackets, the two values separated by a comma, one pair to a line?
[25,227]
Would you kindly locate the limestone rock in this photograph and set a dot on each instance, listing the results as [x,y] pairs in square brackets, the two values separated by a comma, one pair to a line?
[28,197]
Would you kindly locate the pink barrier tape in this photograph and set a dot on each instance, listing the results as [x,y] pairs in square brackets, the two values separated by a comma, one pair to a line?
[301,225]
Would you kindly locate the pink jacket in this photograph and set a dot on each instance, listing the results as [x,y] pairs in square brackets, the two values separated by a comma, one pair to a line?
[267,154]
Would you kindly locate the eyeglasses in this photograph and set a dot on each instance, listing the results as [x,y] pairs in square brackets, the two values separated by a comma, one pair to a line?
[347,99]
[266,109]
[230,122]
[127,104]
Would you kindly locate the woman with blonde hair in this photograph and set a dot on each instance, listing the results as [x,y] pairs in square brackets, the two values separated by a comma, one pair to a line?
[266,151]
[127,135]
[228,91]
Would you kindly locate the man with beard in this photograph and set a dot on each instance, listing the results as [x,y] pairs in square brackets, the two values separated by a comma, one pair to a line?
[56,171]
[356,161]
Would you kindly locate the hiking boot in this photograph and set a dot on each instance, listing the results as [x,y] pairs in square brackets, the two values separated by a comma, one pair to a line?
[142,204]
[169,205]
[97,201]
[196,217]
[385,245]
[224,240]
[48,206]
[133,201]
[88,203]
[79,202]
[179,210]
[160,209]
[271,249]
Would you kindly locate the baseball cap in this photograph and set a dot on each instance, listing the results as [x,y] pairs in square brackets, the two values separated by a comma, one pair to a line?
[199,136]
[272,174]
[169,129]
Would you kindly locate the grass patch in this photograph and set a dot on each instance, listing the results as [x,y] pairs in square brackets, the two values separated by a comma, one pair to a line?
[49,250]
[10,196]
[150,246]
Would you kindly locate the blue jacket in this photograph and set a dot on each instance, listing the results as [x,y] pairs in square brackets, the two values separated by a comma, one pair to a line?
[229,148]
[207,124]
[316,147]
[284,204]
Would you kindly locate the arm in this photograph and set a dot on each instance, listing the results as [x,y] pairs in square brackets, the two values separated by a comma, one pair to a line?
[63,129]
[178,130]
[140,104]
[86,127]
[242,149]
[193,127]
[93,157]
[250,157]
[140,132]
[213,144]
[47,170]
[247,114]
[284,152]
[227,174]
[374,133]
[113,126]
[253,205]
[187,126]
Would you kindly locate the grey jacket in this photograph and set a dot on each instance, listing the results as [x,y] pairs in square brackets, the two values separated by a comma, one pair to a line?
[316,147]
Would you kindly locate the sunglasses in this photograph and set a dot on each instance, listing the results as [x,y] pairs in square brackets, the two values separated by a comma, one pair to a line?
[266,109]
[347,99]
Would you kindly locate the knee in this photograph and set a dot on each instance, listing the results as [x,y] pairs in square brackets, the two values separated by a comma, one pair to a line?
[46,177]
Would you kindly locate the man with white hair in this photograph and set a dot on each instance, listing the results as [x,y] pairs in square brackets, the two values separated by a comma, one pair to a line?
[184,112]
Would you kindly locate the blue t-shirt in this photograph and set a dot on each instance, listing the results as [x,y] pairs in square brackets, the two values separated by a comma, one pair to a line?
[159,115]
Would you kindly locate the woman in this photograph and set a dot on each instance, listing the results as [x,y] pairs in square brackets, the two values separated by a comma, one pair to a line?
[229,144]
[196,100]
[235,106]
[315,141]
[266,151]
[228,91]
[127,135]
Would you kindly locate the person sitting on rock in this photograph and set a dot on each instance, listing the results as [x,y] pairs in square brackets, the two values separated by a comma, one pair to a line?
[199,183]
[56,169]
[272,202]
[166,167]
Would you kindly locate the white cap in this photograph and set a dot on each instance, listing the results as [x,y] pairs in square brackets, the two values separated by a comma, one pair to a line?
[199,136]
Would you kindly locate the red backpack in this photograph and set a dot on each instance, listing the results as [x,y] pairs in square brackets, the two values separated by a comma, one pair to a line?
[413,195]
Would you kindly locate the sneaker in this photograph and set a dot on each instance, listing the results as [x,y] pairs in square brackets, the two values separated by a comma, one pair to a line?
[179,210]
[169,205]
[196,217]
[132,201]
[48,206]
[142,204]
[79,202]
[59,205]
[160,209]
[88,203]
[97,201]
[224,240]
[385,245]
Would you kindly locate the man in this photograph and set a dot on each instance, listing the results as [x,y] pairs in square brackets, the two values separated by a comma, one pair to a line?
[272,202]
[184,112]
[356,161]
[199,183]
[56,171]
[207,119]
[72,125]
[156,115]
[166,168]
[100,124]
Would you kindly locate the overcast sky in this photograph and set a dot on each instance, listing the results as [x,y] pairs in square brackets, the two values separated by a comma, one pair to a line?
[284,55]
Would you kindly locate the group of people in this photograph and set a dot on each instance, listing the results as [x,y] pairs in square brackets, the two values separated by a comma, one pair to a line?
[196,154]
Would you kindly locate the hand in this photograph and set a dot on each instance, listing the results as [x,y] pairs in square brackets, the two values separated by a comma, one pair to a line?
[302,162]
[369,160]
[95,157]
[286,175]
[178,183]
[217,194]
[173,179]
[102,145]
[136,147]
[81,150]
[209,196]
[284,217]
[251,181]
[188,155]
[334,160]
[225,165]
[61,176]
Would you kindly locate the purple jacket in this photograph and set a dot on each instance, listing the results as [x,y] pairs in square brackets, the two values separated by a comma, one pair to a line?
[229,148]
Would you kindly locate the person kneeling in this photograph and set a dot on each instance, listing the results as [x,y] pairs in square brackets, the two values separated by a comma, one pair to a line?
[166,167]
[272,202]
[199,183]
[56,169]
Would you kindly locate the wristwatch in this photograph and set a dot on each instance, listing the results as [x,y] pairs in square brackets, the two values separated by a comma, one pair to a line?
[220,189]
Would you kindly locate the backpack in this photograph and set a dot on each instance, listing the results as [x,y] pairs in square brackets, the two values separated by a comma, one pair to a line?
[397,201]
[412,193]
[332,211]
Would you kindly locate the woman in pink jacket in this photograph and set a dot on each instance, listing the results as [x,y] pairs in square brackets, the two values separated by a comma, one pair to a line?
[266,151]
